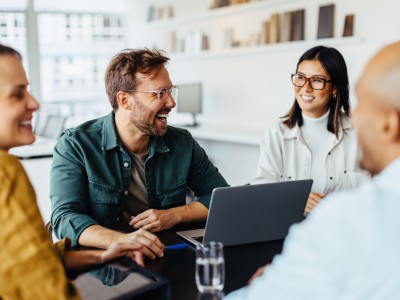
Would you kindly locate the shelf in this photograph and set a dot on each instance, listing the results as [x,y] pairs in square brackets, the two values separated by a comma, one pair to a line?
[263,49]
[217,13]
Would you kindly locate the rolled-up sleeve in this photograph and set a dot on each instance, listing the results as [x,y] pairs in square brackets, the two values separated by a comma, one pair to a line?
[204,176]
[69,191]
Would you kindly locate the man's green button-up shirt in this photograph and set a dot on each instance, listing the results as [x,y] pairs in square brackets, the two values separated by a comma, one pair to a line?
[91,171]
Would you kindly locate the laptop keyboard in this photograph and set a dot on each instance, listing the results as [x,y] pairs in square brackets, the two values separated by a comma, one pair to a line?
[198,238]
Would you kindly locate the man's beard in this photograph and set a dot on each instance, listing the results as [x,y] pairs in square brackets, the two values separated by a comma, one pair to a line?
[146,128]
[138,119]
[149,129]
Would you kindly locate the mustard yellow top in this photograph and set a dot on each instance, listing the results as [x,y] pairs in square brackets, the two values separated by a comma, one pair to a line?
[30,267]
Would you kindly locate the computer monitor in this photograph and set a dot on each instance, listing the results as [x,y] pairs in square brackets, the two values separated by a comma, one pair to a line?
[53,127]
[189,100]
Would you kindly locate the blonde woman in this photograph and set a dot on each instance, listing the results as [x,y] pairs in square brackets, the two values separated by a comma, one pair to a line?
[31,267]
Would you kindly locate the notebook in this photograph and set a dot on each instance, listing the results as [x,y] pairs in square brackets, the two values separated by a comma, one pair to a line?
[252,213]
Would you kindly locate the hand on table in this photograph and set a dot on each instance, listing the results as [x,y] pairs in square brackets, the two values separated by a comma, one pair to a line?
[313,200]
[154,220]
[151,245]
[130,250]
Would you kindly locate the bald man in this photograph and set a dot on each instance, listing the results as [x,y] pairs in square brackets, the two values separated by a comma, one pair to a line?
[350,247]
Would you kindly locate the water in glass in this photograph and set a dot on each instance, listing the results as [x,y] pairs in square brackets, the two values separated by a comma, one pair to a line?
[210,267]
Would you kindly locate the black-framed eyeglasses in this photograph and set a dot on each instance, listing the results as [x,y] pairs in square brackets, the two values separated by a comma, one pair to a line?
[316,83]
[161,94]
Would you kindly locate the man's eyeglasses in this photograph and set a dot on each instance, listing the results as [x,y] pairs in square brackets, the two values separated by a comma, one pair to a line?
[316,83]
[161,94]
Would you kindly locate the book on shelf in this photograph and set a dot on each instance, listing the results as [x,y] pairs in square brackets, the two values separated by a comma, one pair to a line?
[151,13]
[159,13]
[298,26]
[326,21]
[216,4]
[170,42]
[254,40]
[234,2]
[265,32]
[228,38]
[181,45]
[348,25]
[189,43]
[274,29]
[287,26]
[195,42]
[169,11]
[223,3]
[205,42]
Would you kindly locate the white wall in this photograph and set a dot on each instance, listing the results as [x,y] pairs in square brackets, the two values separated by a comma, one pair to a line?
[257,87]
[253,89]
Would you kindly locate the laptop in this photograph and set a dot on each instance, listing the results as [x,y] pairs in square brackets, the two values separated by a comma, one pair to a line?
[252,213]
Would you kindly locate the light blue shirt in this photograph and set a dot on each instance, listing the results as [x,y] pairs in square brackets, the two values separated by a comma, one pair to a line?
[348,248]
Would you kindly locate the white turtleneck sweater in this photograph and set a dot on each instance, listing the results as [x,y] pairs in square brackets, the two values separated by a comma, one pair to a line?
[319,140]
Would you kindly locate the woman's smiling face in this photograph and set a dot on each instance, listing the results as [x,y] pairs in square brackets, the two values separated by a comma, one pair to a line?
[313,103]
[16,104]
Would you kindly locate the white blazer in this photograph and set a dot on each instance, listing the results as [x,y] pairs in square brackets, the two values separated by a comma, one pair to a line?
[285,156]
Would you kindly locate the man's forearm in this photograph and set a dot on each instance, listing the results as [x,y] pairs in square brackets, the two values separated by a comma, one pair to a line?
[191,212]
[82,260]
[98,236]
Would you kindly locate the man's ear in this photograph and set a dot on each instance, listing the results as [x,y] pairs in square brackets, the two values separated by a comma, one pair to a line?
[392,125]
[123,100]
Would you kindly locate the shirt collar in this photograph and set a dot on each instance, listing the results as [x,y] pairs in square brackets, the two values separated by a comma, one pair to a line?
[110,137]
[391,170]
[290,133]
[157,144]
[347,123]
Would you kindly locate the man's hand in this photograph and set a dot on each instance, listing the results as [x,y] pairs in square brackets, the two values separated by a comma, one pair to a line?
[155,220]
[151,245]
[313,200]
[83,259]
[130,250]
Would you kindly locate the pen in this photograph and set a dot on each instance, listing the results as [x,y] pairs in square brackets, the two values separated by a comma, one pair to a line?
[176,246]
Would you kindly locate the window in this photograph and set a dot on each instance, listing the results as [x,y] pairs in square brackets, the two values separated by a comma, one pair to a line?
[75,40]
[13,31]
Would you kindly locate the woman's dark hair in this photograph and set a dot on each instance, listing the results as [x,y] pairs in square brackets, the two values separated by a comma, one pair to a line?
[334,64]
[5,50]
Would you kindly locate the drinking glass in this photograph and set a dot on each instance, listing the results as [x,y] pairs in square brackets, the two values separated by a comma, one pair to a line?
[210,267]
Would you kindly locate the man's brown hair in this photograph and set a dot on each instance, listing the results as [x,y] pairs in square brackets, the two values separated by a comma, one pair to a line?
[123,67]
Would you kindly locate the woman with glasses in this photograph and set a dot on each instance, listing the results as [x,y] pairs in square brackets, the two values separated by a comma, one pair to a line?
[31,267]
[316,138]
